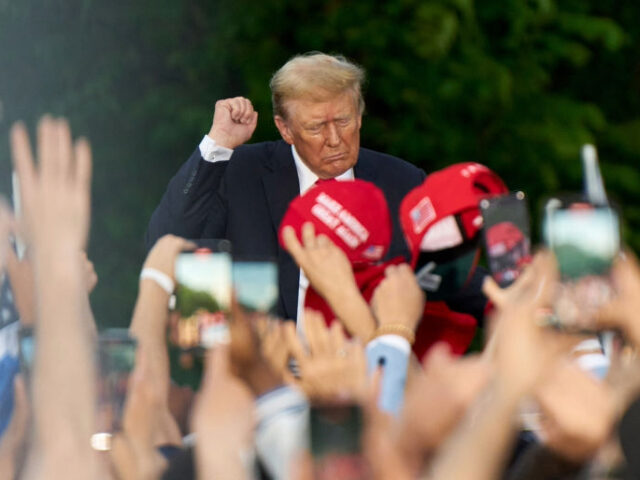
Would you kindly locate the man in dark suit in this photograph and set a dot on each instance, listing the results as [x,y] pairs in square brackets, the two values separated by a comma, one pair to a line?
[241,192]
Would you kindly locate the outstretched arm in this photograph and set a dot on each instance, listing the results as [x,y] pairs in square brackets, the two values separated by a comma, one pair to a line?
[55,198]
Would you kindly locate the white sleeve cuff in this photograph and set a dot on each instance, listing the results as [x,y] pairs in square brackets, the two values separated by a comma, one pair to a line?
[396,341]
[210,151]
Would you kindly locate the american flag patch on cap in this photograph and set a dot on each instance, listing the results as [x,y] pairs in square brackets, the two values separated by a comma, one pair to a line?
[422,215]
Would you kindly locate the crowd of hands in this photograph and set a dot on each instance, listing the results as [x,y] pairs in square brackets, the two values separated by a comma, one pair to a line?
[460,414]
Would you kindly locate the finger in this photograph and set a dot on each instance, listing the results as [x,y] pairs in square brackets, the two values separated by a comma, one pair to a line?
[263,327]
[247,113]
[239,108]
[47,147]
[323,241]
[545,277]
[626,273]
[308,235]
[253,119]
[439,353]
[315,332]
[293,343]
[236,109]
[358,362]
[493,291]
[390,270]
[83,166]
[238,314]
[64,152]
[405,269]
[293,246]
[337,337]
[610,315]
[22,159]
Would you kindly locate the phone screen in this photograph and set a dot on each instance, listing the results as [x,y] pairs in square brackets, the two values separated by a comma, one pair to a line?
[506,236]
[255,283]
[336,443]
[203,298]
[585,240]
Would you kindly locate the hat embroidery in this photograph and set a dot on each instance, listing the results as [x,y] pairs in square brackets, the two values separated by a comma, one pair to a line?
[422,214]
[340,220]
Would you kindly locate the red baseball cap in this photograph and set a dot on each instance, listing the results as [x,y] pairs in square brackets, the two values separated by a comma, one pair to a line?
[352,213]
[427,213]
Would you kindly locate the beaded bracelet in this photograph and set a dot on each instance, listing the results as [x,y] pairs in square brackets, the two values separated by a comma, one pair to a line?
[395,329]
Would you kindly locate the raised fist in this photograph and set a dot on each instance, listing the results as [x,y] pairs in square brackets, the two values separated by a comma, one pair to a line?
[234,121]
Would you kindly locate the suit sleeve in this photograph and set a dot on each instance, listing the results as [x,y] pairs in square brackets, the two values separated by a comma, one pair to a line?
[192,199]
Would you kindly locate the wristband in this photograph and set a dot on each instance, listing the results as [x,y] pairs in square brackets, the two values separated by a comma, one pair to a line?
[395,329]
[162,279]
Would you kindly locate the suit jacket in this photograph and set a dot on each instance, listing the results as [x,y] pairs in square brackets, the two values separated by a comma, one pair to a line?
[244,200]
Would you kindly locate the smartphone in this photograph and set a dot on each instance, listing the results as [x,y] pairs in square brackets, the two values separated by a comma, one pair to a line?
[585,240]
[116,352]
[203,297]
[506,235]
[336,443]
[255,283]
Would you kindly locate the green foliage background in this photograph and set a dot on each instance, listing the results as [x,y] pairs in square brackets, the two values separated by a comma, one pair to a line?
[516,84]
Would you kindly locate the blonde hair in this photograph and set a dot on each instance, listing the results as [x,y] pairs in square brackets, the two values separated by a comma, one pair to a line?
[317,77]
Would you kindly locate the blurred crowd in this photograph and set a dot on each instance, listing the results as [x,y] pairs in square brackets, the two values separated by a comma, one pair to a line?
[371,384]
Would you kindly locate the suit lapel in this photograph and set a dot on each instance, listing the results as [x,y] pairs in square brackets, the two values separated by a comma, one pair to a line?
[281,186]
[364,169]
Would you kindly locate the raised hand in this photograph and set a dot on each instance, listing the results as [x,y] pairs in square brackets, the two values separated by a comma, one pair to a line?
[245,353]
[55,194]
[522,350]
[234,121]
[578,412]
[325,265]
[330,273]
[623,310]
[333,369]
[56,204]
[273,345]
[448,384]
[398,299]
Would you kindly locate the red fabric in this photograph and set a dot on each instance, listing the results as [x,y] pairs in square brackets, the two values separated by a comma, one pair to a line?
[441,324]
[352,213]
[455,190]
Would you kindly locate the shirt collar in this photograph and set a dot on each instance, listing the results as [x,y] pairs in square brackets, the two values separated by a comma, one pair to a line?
[306,178]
